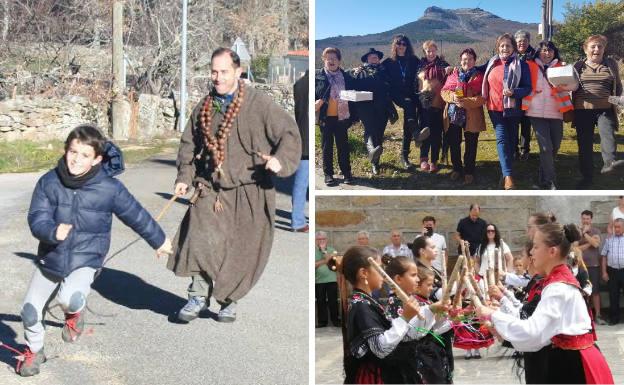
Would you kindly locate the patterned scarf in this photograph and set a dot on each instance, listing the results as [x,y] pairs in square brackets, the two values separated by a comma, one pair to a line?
[463,77]
[337,84]
[514,73]
[433,69]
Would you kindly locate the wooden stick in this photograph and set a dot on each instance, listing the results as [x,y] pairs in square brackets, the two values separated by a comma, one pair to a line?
[397,289]
[476,287]
[446,293]
[167,206]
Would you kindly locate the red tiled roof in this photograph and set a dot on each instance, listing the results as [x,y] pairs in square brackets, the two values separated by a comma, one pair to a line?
[300,52]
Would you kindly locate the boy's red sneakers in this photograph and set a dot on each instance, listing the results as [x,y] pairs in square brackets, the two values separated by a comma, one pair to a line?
[29,362]
[74,325]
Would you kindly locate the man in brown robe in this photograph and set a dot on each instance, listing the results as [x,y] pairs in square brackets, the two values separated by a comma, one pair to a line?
[225,238]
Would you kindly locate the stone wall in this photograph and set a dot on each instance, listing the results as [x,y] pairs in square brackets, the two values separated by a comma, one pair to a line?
[343,216]
[41,118]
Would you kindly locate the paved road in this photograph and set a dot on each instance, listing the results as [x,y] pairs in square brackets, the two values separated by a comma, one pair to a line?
[139,345]
[496,367]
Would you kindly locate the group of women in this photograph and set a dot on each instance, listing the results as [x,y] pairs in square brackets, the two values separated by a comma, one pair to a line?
[551,326]
[440,104]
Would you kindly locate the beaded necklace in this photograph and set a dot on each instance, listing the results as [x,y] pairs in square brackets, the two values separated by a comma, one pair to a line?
[216,144]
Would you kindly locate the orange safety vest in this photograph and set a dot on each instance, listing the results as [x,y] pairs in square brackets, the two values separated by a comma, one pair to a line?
[563,97]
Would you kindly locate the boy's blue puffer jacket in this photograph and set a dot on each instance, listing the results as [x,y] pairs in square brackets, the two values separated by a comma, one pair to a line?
[89,209]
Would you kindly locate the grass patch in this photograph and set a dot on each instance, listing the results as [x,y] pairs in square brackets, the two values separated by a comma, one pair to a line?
[27,156]
[487,174]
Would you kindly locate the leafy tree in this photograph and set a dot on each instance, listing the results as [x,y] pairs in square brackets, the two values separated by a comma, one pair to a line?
[582,21]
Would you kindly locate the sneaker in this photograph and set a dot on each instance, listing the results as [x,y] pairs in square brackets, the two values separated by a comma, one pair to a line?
[195,305]
[30,362]
[455,175]
[424,165]
[468,355]
[609,167]
[406,163]
[433,168]
[476,354]
[375,169]
[600,321]
[227,312]
[74,326]
[348,180]
[330,181]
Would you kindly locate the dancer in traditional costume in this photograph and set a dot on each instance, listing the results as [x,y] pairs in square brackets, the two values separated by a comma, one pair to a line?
[561,323]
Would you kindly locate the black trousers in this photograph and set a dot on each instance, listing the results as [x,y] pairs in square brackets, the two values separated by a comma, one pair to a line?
[326,295]
[374,121]
[586,121]
[616,283]
[524,140]
[470,152]
[338,129]
[411,125]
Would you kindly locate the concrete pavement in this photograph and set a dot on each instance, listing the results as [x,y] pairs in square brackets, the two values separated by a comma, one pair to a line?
[132,341]
[496,366]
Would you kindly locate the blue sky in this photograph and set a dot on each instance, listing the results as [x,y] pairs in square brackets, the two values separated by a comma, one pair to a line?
[360,17]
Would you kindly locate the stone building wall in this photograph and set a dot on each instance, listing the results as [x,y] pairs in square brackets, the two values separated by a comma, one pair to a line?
[343,216]
[41,118]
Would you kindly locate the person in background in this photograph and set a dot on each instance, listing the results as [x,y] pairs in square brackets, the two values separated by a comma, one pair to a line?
[300,185]
[325,286]
[334,114]
[397,247]
[402,67]
[462,92]
[526,53]
[589,247]
[363,238]
[431,76]
[507,80]
[613,268]
[599,79]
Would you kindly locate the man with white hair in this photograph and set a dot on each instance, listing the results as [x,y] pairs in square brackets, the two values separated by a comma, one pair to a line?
[396,248]
[613,268]
[363,238]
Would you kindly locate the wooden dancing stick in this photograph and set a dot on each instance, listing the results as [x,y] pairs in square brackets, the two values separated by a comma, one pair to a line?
[497,264]
[491,279]
[167,206]
[476,287]
[397,289]
[446,293]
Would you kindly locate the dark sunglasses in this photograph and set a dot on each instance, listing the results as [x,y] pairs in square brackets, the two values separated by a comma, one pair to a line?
[401,43]
[491,231]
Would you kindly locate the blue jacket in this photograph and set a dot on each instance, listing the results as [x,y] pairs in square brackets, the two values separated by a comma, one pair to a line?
[89,209]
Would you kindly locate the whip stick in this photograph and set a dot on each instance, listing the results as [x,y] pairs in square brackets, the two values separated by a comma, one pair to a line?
[399,292]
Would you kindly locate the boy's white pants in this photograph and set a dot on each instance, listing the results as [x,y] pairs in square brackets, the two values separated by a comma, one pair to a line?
[72,295]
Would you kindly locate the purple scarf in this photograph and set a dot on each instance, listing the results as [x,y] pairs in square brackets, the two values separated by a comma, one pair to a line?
[337,84]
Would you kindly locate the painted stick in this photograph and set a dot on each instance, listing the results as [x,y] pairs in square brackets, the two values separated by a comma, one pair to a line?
[397,289]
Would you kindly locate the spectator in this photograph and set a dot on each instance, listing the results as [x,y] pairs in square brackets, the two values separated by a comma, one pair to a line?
[618,212]
[397,247]
[613,268]
[472,228]
[486,252]
[326,288]
[300,185]
[363,238]
[441,260]
[589,246]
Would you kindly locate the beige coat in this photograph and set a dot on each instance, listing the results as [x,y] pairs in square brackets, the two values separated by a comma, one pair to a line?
[475,118]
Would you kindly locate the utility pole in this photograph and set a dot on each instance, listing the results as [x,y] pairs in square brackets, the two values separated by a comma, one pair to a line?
[547,17]
[119,121]
[182,117]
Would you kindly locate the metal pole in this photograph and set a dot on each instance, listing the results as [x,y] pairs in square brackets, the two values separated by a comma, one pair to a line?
[550,19]
[182,118]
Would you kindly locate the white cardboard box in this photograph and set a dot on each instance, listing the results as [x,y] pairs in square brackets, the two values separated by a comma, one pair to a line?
[356,96]
[564,75]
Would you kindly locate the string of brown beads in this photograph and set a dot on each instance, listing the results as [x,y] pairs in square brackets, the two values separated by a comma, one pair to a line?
[216,144]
